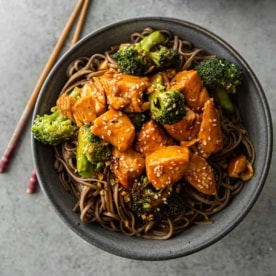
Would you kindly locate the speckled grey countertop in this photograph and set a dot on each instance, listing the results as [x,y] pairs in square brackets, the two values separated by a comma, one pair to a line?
[33,240]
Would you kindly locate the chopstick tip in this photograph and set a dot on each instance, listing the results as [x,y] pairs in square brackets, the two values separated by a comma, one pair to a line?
[31,188]
[3,164]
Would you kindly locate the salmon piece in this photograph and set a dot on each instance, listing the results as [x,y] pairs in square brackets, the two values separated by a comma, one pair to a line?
[151,138]
[185,129]
[167,165]
[127,166]
[200,175]
[190,84]
[116,128]
[95,89]
[65,105]
[210,134]
[84,110]
[189,143]
[124,91]
[240,167]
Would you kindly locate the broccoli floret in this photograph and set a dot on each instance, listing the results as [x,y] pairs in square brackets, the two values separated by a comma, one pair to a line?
[221,77]
[166,106]
[175,205]
[137,119]
[165,58]
[53,128]
[148,202]
[92,152]
[132,62]
[220,72]
[145,199]
[134,59]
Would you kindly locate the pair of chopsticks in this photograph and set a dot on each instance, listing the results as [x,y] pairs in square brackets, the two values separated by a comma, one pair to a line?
[80,9]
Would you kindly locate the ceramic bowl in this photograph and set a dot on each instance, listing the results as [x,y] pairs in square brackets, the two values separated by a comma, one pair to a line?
[255,114]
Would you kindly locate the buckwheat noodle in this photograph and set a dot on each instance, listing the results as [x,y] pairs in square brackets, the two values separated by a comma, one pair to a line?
[106,203]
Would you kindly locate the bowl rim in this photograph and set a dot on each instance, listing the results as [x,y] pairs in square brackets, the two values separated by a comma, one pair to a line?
[138,255]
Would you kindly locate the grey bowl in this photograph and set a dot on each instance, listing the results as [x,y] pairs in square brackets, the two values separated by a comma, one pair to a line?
[255,114]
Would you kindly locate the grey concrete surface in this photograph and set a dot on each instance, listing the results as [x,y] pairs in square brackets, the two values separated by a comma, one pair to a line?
[33,240]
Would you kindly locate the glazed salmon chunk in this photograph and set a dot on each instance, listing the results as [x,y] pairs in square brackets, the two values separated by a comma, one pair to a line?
[124,91]
[185,129]
[200,175]
[84,111]
[83,104]
[115,128]
[150,138]
[95,89]
[210,133]
[167,165]
[127,165]
[190,84]
[65,104]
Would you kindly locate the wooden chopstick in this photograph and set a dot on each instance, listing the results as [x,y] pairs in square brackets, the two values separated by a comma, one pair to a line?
[31,102]
[32,184]
[80,22]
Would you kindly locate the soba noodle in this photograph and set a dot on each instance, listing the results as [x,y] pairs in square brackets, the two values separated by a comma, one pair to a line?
[105,202]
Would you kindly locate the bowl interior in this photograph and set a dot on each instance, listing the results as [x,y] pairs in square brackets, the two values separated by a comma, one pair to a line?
[254,111]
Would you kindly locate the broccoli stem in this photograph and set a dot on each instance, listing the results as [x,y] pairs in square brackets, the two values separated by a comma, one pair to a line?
[84,167]
[150,41]
[224,100]
[157,83]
